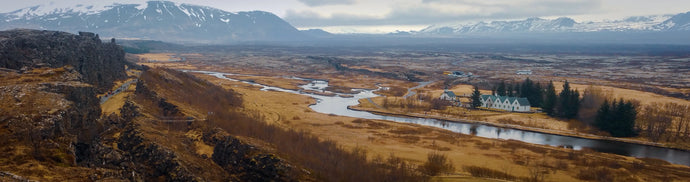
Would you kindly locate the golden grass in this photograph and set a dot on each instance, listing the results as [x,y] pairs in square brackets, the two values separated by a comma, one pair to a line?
[379,141]
[156,56]
[628,94]
[116,102]
[462,150]
[285,83]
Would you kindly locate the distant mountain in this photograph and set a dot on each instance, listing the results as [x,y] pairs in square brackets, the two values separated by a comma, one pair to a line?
[317,33]
[680,22]
[158,20]
[528,25]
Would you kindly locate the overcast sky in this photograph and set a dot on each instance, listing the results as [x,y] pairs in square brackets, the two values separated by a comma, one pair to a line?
[380,16]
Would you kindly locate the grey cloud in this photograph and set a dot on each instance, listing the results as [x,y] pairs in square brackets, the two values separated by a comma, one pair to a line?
[425,15]
[326,2]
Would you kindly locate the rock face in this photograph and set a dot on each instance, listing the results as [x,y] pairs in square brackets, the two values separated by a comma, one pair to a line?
[100,64]
[48,86]
[154,161]
[51,127]
[248,163]
[49,110]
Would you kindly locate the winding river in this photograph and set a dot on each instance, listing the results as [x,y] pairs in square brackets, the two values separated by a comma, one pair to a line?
[338,106]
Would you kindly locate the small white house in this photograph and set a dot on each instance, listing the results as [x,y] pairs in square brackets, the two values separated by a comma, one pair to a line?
[524,72]
[513,104]
[450,96]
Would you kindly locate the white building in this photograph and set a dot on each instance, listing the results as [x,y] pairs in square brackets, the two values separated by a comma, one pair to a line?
[450,96]
[524,72]
[513,104]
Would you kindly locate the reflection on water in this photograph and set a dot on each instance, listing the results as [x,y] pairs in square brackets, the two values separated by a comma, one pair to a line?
[338,106]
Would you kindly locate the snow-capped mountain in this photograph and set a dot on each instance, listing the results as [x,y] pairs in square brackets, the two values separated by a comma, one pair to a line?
[528,25]
[159,20]
[680,22]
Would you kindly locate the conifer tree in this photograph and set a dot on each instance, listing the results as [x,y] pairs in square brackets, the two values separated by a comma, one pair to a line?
[550,99]
[603,115]
[516,90]
[537,96]
[532,91]
[476,98]
[568,102]
[617,118]
[501,89]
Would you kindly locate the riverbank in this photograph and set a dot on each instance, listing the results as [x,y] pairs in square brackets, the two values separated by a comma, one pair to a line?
[575,134]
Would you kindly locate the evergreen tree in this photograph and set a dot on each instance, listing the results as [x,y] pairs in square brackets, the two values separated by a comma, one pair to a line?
[526,89]
[569,102]
[532,91]
[625,115]
[476,98]
[537,96]
[516,90]
[573,104]
[501,89]
[603,115]
[550,99]
[509,90]
[617,118]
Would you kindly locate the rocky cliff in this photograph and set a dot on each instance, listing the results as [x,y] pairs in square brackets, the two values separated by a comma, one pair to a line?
[99,63]
[45,113]
[48,86]
[52,129]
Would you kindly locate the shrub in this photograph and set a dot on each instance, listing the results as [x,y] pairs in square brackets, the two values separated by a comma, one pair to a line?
[436,164]
[601,174]
[483,172]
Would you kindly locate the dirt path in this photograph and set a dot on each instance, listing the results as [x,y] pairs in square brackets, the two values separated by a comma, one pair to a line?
[412,93]
[123,87]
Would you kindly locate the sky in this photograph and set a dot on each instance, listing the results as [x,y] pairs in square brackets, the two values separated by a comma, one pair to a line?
[383,16]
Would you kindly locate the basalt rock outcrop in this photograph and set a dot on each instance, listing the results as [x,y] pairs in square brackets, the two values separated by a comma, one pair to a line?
[99,63]
[45,112]
[249,163]
[48,86]
[52,129]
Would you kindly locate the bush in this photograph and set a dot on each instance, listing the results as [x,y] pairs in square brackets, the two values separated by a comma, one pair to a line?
[436,164]
[483,172]
[596,174]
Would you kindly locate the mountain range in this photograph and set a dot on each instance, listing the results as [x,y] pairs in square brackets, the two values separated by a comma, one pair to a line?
[158,20]
[658,23]
[186,23]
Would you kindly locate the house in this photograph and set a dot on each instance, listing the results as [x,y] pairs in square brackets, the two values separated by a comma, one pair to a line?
[513,104]
[458,74]
[450,96]
[524,72]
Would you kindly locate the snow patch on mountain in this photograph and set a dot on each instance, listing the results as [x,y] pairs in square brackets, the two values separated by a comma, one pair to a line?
[64,7]
[564,24]
[161,20]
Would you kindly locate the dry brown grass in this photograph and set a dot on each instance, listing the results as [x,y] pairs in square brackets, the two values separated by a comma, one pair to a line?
[114,103]
[380,141]
[628,94]
[286,83]
[324,157]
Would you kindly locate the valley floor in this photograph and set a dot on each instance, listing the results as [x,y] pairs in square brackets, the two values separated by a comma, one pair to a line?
[475,158]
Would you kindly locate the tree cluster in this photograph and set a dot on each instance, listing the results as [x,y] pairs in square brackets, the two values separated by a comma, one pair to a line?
[670,121]
[528,89]
[566,104]
[617,118]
